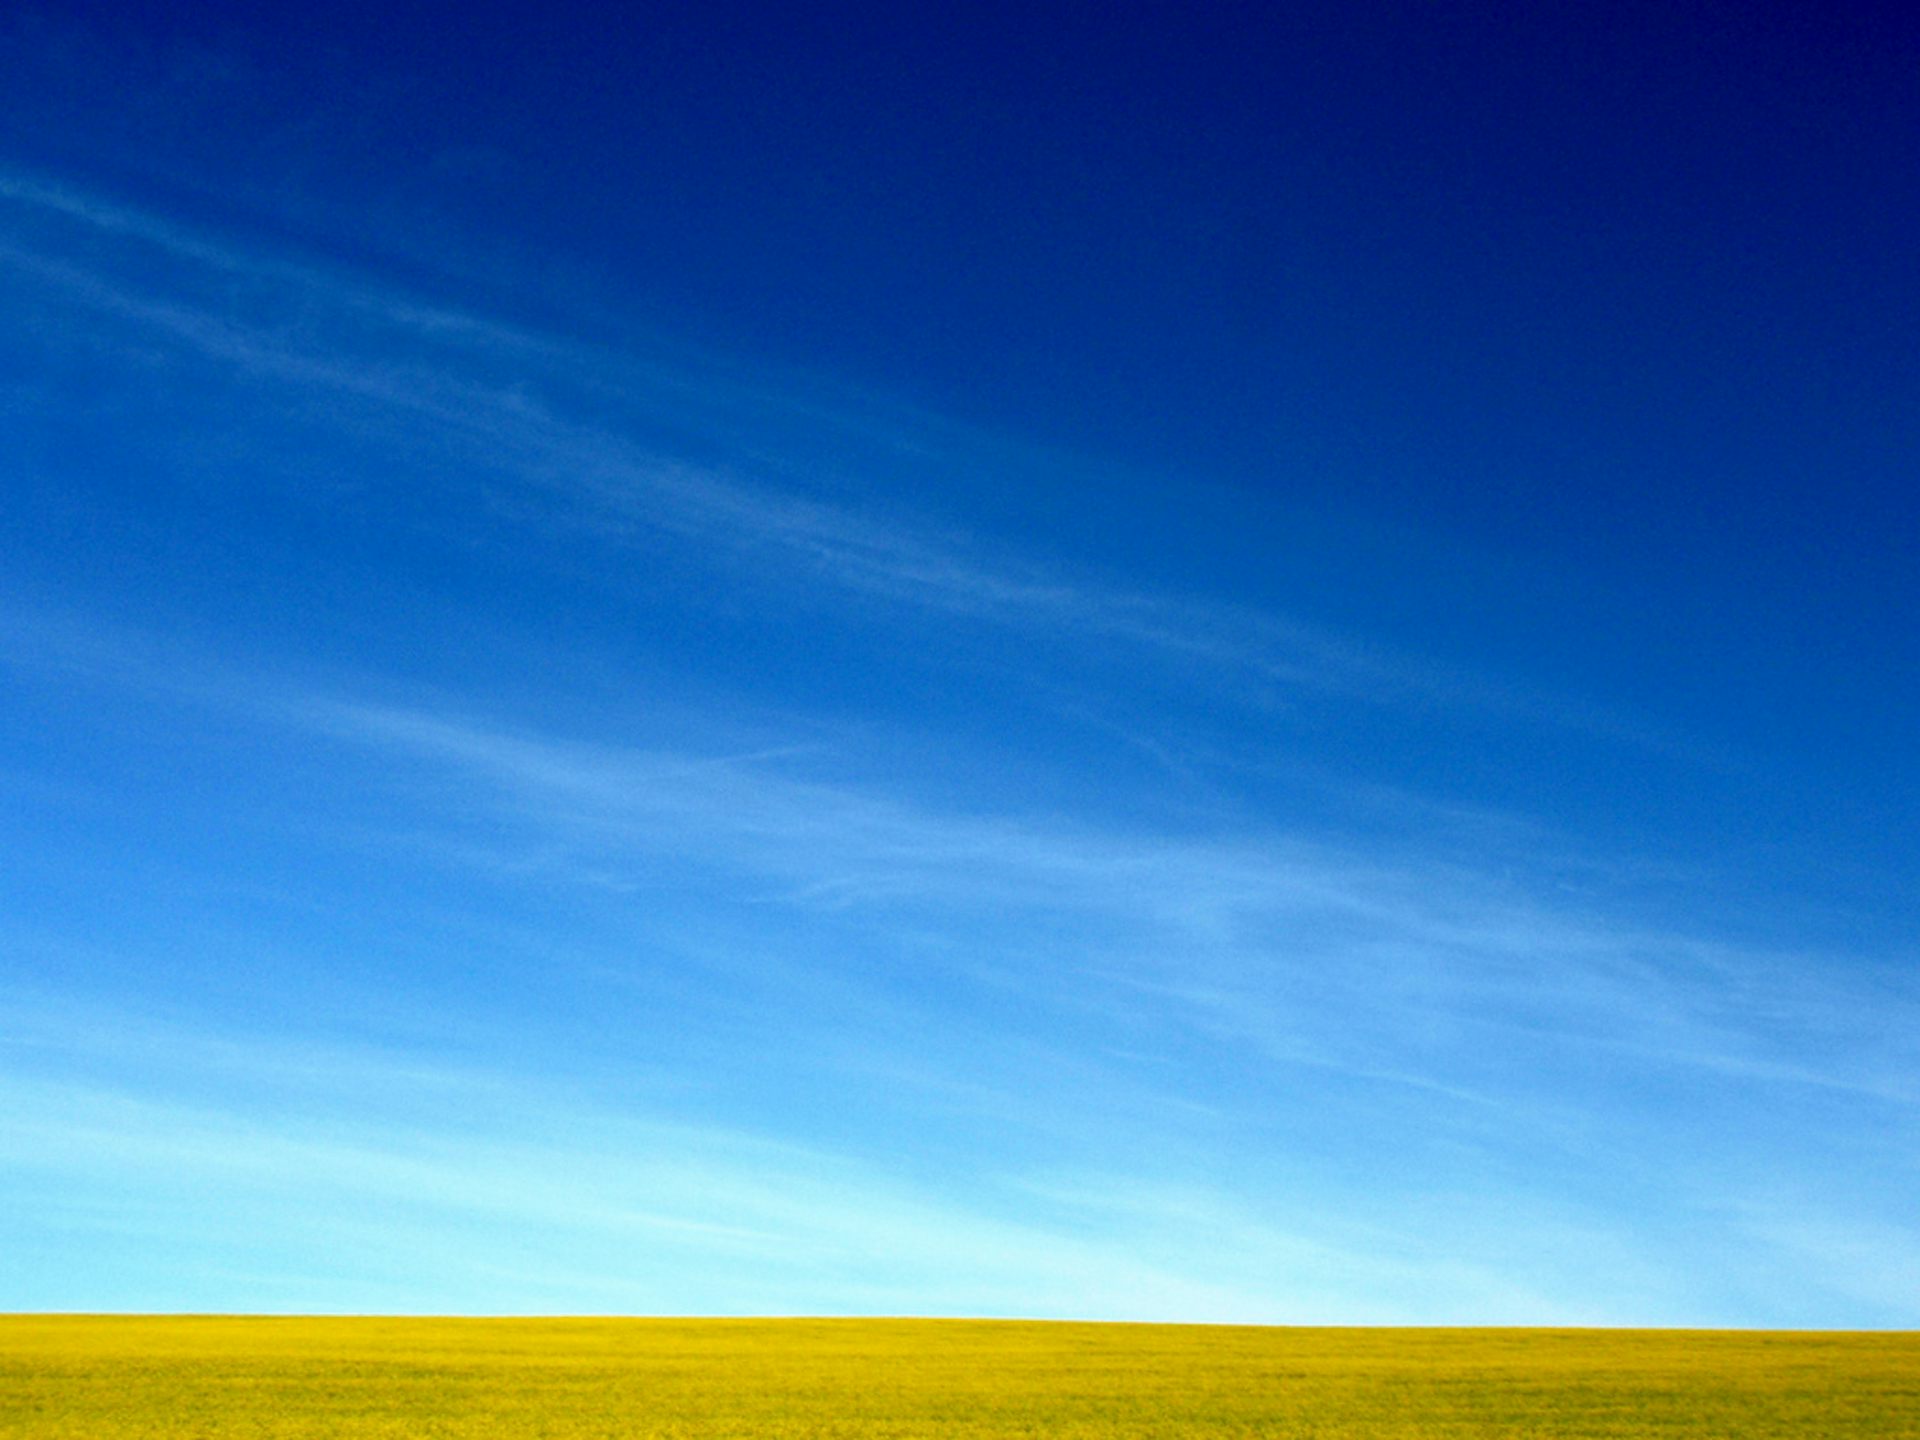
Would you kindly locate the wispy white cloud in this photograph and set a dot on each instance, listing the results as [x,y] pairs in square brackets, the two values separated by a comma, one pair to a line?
[1400,968]
[679,446]
[1409,965]
[544,1194]
[299,1175]
[1314,976]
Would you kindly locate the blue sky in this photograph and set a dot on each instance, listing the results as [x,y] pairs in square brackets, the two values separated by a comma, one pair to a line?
[1215,668]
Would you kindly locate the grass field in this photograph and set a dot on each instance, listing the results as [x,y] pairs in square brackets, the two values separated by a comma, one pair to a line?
[105,1378]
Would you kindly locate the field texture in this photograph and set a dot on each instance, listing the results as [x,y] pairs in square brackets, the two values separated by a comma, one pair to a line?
[85,1378]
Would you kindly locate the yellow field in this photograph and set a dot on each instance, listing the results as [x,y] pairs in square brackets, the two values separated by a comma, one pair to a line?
[97,1378]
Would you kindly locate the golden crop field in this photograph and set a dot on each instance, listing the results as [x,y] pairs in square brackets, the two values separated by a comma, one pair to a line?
[115,1378]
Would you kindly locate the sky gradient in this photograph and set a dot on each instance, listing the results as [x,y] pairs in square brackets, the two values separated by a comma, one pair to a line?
[1210,668]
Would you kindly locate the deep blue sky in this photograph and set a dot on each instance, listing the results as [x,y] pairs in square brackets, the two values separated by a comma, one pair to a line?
[1215,665]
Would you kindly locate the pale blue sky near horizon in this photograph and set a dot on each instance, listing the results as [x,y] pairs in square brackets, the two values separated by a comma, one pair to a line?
[1195,667]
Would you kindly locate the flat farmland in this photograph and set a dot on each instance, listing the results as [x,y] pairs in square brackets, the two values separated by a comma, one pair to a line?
[120,1377]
